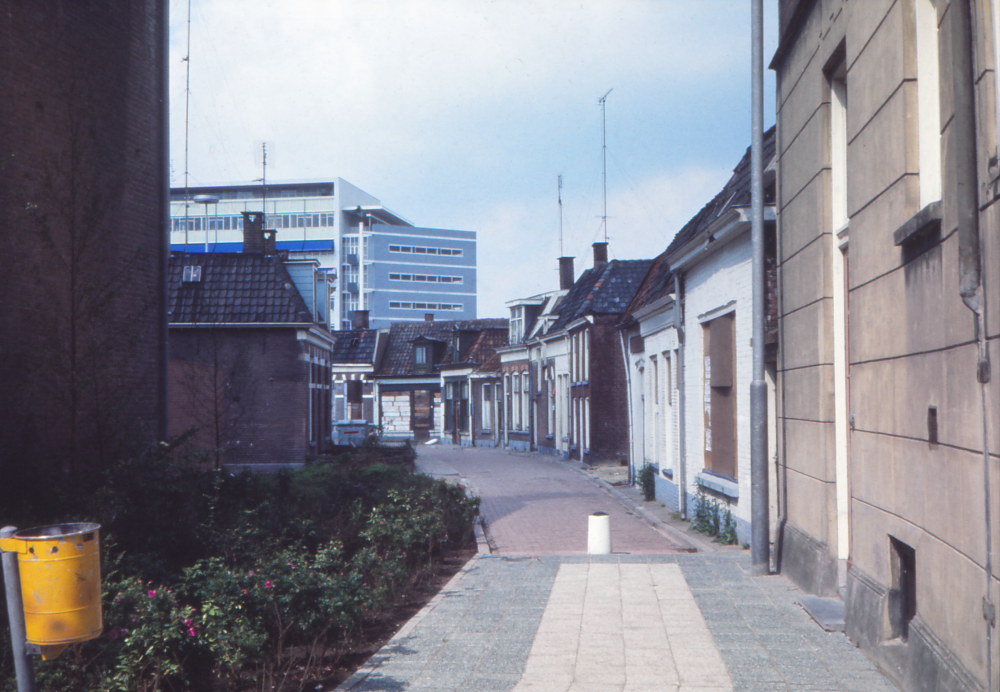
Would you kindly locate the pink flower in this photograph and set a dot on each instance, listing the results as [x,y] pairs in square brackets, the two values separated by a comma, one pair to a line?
[244,590]
[152,594]
[191,632]
[268,585]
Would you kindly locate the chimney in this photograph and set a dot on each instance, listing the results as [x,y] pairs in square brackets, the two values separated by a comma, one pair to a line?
[359,319]
[600,254]
[428,317]
[253,232]
[565,273]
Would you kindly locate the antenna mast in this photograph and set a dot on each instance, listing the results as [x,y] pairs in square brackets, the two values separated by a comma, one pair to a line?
[604,157]
[263,181]
[560,217]
[187,103]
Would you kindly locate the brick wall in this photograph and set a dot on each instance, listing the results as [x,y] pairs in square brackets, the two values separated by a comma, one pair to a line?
[264,419]
[82,203]
[608,393]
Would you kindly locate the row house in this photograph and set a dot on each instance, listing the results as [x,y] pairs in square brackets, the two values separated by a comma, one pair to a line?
[888,252]
[352,363]
[689,361]
[415,399]
[564,388]
[249,329]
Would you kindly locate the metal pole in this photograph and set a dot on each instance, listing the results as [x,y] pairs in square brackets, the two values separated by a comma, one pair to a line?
[15,614]
[760,540]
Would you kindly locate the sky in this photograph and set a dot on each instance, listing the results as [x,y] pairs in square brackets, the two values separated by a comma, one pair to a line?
[462,114]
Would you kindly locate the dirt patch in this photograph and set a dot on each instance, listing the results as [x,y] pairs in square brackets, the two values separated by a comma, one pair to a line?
[381,629]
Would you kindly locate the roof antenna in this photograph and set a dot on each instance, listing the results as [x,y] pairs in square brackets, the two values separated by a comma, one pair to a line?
[560,217]
[187,102]
[604,157]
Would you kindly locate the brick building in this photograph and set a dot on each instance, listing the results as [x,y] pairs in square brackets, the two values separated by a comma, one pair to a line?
[250,353]
[689,404]
[570,367]
[408,377]
[83,203]
[352,363]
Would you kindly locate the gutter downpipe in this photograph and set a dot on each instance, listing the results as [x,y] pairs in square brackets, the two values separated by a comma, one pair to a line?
[970,264]
[759,505]
[631,410]
[163,375]
[682,434]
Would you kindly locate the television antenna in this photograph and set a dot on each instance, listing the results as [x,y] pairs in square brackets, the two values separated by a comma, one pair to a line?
[560,217]
[187,104]
[604,157]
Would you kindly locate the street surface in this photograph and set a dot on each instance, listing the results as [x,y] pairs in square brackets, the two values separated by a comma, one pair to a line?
[537,614]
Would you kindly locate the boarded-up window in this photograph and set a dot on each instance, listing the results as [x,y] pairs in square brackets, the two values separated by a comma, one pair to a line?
[355,390]
[720,396]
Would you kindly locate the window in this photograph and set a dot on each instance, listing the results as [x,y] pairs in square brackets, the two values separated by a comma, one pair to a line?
[838,147]
[420,355]
[516,324]
[928,102]
[447,252]
[720,396]
[586,423]
[516,403]
[484,410]
[525,401]
[586,355]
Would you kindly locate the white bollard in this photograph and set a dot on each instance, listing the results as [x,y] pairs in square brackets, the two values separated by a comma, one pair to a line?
[599,534]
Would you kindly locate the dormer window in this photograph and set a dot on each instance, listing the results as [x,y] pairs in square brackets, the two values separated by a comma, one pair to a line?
[517,324]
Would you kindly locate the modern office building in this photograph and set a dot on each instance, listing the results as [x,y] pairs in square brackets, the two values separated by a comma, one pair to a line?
[383,263]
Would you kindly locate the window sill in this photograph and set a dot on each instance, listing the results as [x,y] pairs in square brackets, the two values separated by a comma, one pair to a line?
[667,473]
[548,437]
[924,222]
[719,484]
[573,447]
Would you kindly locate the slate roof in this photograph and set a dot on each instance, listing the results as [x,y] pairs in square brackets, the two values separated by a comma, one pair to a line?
[606,290]
[235,288]
[658,282]
[354,346]
[736,193]
[397,360]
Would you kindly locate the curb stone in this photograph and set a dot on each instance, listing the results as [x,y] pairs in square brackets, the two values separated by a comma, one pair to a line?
[368,668]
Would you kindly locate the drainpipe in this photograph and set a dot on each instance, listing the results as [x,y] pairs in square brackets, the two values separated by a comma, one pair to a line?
[631,409]
[759,504]
[970,261]
[164,307]
[682,432]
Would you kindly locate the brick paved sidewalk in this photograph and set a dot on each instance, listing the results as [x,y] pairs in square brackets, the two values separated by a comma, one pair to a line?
[589,624]
[535,505]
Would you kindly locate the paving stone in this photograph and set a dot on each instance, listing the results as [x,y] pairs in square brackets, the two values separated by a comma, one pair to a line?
[657,618]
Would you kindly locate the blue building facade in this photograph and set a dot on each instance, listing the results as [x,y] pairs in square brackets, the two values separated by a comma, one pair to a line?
[377,260]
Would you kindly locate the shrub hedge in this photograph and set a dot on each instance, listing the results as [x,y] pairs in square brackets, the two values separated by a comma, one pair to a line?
[215,580]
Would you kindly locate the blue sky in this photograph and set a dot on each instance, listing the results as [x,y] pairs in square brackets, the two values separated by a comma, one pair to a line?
[461,113]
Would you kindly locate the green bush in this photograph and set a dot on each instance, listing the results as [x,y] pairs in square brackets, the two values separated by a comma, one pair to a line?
[711,520]
[237,581]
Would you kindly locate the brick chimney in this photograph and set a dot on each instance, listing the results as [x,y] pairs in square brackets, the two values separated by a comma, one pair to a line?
[359,319]
[253,232]
[565,273]
[600,254]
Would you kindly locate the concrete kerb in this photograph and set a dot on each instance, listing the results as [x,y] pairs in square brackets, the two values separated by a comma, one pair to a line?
[368,668]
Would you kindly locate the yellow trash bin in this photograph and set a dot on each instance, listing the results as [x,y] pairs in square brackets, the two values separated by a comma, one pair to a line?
[60,568]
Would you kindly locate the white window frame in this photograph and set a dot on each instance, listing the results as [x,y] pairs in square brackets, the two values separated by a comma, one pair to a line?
[928,102]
